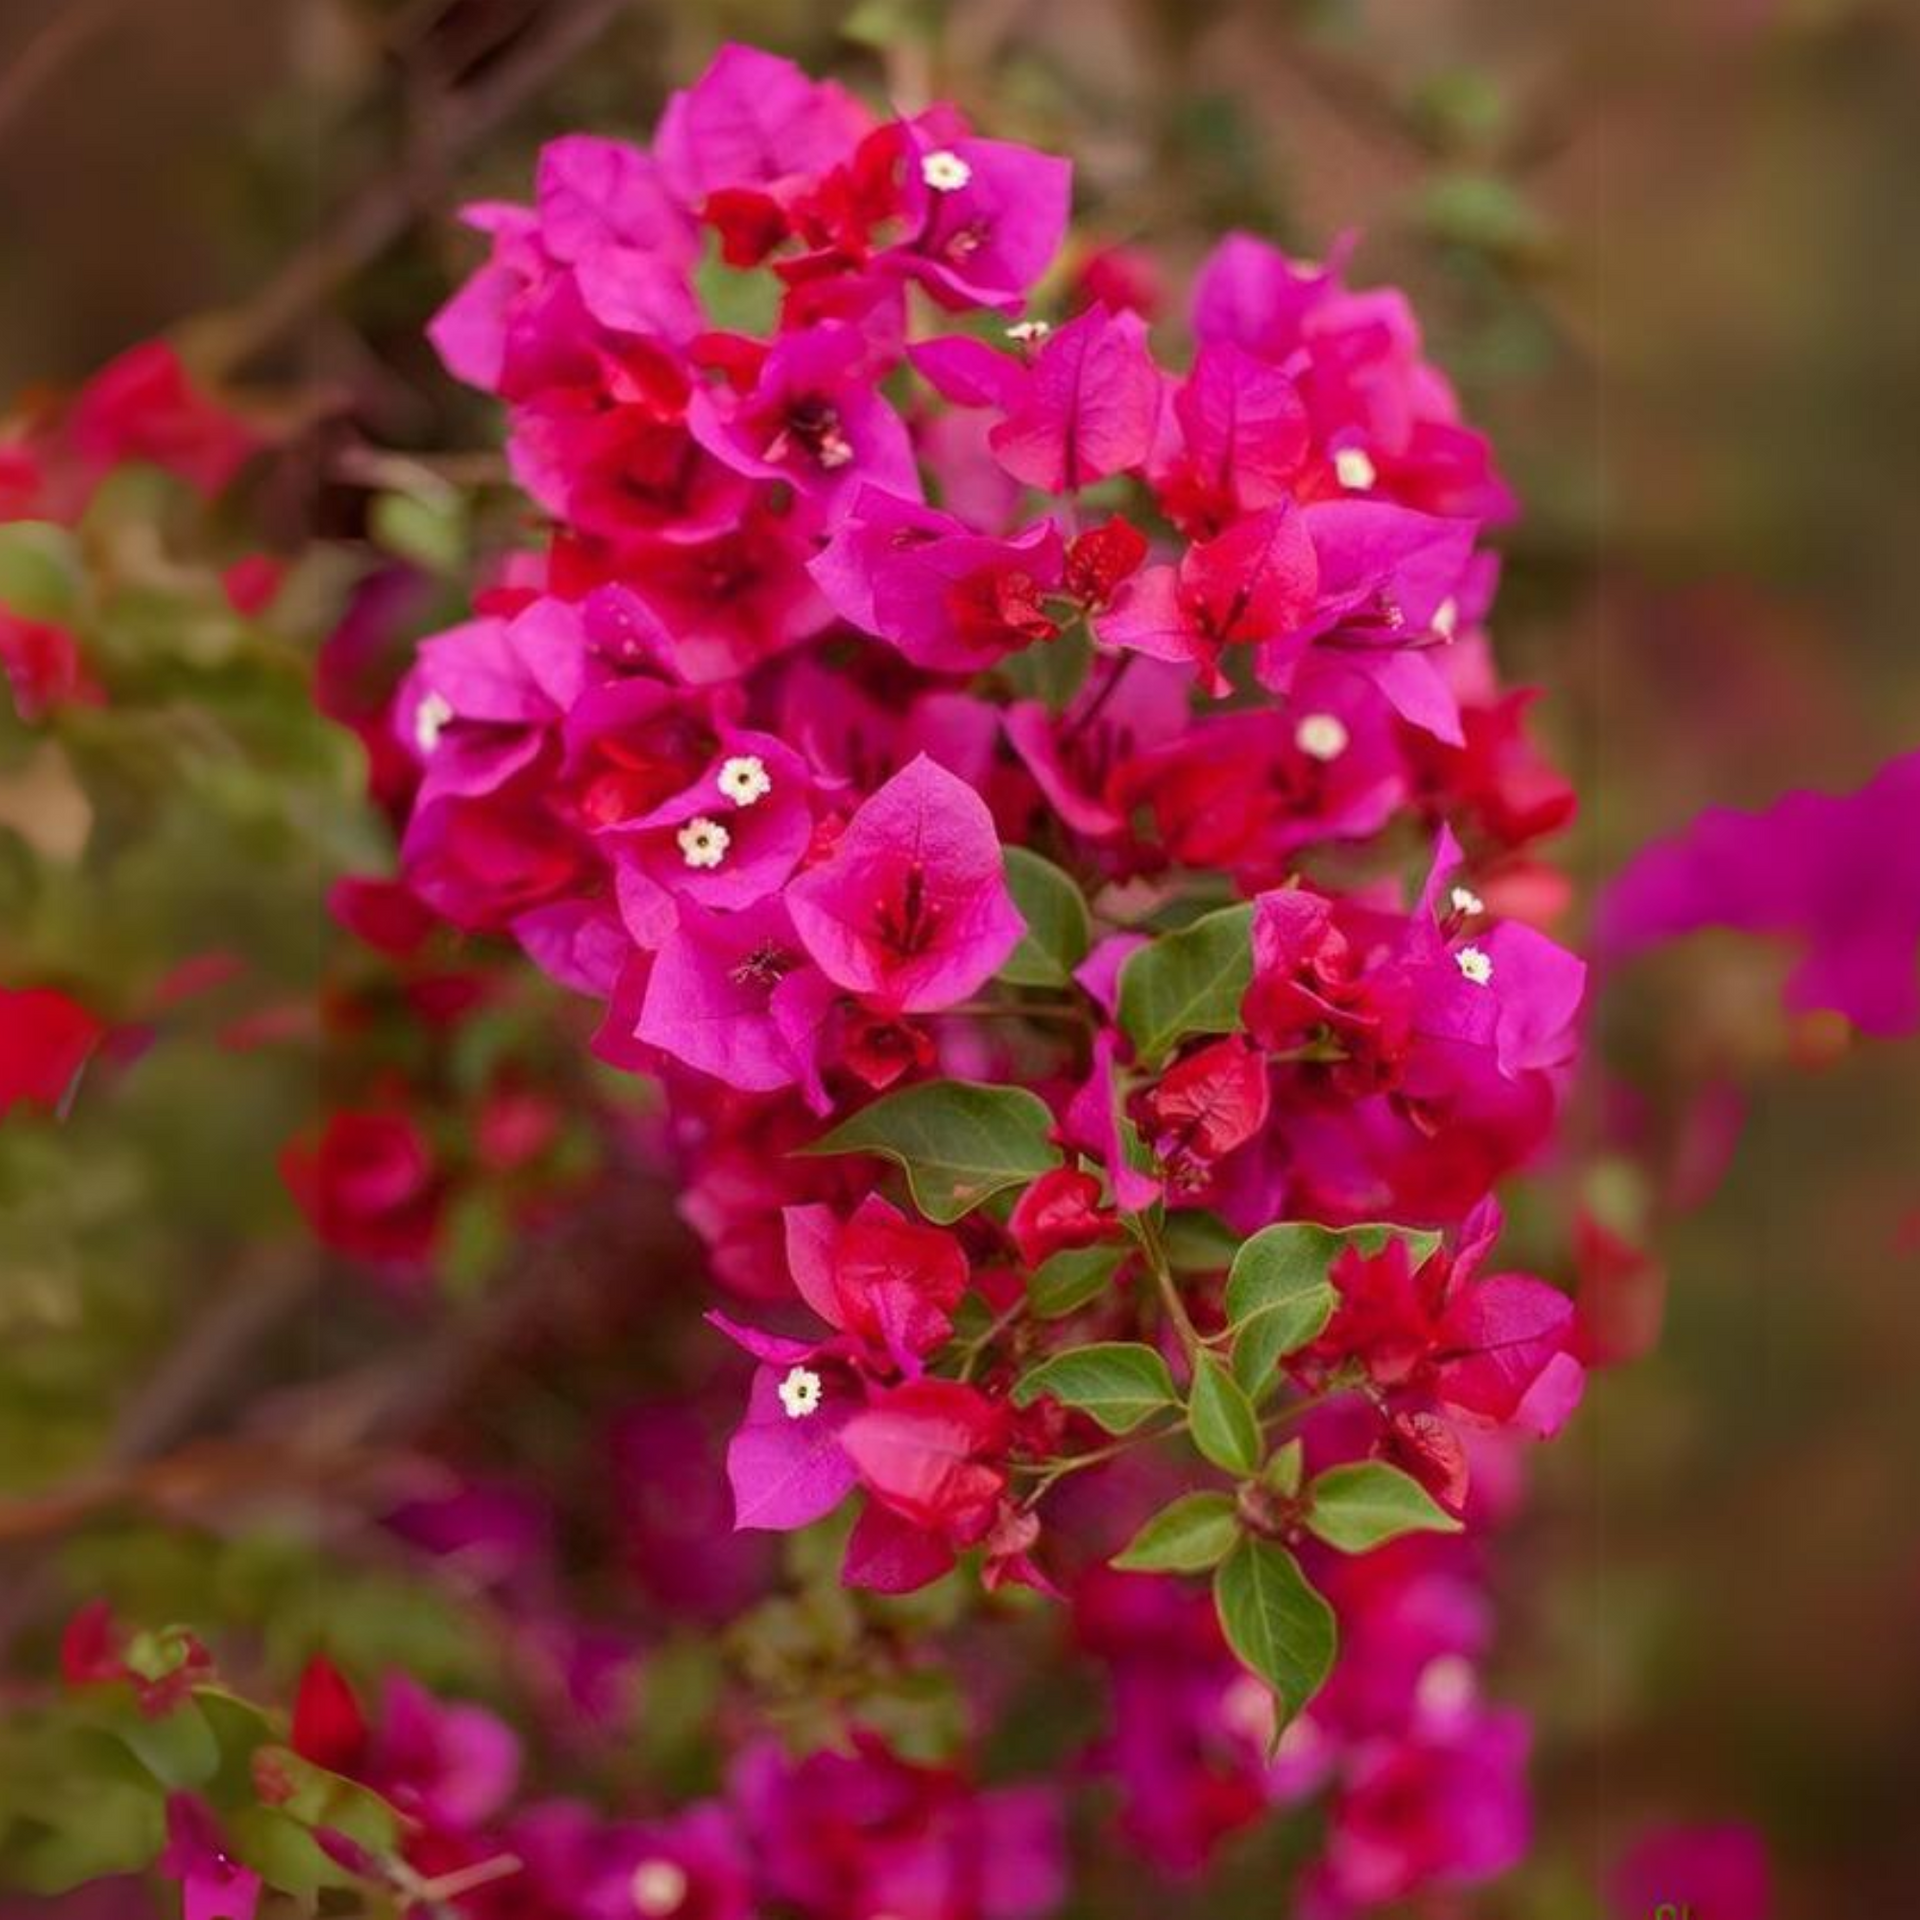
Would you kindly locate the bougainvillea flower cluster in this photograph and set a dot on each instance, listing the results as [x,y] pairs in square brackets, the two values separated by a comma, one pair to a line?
[1037,798]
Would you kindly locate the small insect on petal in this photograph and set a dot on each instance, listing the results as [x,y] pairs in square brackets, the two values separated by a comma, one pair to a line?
[945,171]
[800,1392]
[1321,736]
[1465,900]
[659,1887]
[745,779]
[703,842]
[1355,470]
[429,720]
[1474,964]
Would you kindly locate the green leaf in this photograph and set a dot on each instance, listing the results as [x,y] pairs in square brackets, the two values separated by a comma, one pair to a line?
[39,570]
[1225,1426]
[1284,1468]
[1277,1625]
[1194,1533]
[428,528]
[1365,1504]
[1057,928]
[736,301]
[1187,982]
[1051,671]
[177,1747]
[1067,1281]
[959,1143]
[1117,1383]
[1199,1242]
[1278,1296]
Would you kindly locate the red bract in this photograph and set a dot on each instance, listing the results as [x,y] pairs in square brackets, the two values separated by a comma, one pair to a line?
[369,1186]
[46,1038]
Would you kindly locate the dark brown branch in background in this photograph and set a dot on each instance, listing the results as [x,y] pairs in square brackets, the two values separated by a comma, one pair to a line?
[71,27]
[388,206]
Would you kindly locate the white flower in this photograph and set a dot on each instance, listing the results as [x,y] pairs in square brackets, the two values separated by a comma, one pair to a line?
[1474,964]
[945,171]
[1321,736]
[1025,332]
[1445,1684]
[703,842]
[1446,618]
[1465,900]
[429,718]
[800,1392]
[659,1888]
[1355,469]
[745,779]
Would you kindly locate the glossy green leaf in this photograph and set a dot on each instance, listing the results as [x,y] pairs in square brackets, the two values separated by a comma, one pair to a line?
[1117,1383]
[1057,932]
[1225,1427]
[1279,1295]
[1366,1503]
[1067,1281]
[958,1143]
[1278,1627]
[1196,1532]
[1187,982]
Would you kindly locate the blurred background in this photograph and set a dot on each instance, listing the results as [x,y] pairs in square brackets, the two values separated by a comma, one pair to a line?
[1666,252]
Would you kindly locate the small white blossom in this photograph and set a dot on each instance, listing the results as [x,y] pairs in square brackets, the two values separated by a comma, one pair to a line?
[1355,469]
[429,720]
[1445,1684]
[1474,964]
[1026,332]
[1465,900]
[1246,1709]
[945,171]
[745,779]
[659,1888]
[1321,736]
[703,842]
[800,1392]
[1446,618]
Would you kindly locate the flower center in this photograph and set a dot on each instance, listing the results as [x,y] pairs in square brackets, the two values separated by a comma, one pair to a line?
[800,1392]
[945,171]
[659,1888]
[744,779]
[703,842]
[812,422]
[1475,965]
[1465,900]
[1321,736]
[430,718]
[1355,470]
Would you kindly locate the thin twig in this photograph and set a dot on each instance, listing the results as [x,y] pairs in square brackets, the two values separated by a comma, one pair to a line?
[388,206]
[73,26]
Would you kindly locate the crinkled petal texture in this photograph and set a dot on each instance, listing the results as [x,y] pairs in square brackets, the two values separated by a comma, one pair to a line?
[788,1471]
[1495,1340]
[878,1275]
[925,1451]
[910,910]
[753,119]
[1089,409]
[710,998]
